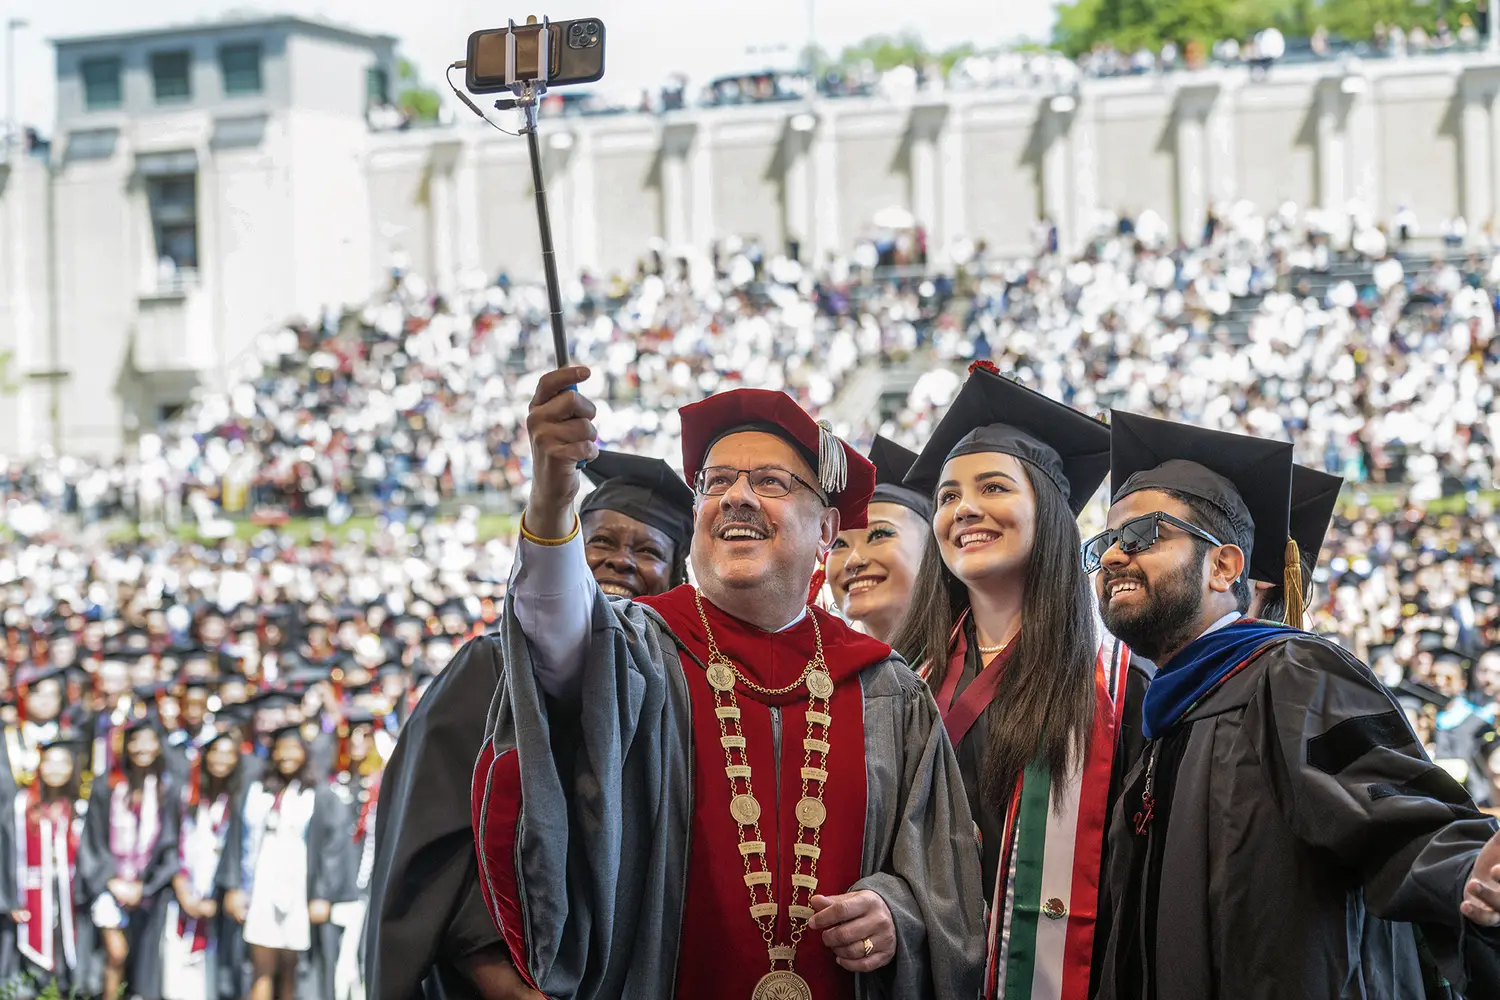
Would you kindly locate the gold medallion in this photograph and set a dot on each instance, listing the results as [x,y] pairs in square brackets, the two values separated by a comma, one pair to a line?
[720,676]
[781,985]
[810,812]
[820,684]
[745,809]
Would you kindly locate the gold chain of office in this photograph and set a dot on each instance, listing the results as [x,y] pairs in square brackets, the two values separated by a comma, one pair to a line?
[744,808]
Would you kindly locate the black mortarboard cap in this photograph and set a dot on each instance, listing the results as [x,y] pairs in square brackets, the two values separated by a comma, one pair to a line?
[30,677]
[292,729]
[69,739]
[892,462]
[272,699]
[1315,496]
[992,413]
[1414,694]
[1247,479]
[644,490]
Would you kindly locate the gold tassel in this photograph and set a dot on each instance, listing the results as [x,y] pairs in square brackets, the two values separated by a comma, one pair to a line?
[1296,600]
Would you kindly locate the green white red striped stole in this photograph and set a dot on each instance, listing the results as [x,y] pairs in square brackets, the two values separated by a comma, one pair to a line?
[1046,897]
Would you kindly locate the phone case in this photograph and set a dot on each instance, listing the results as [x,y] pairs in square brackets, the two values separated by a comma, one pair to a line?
[572,65]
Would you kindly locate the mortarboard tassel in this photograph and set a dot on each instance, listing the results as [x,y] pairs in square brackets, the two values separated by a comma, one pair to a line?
[1296,600]
[819,577]
[833,468]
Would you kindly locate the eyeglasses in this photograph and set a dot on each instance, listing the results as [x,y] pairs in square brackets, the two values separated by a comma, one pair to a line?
[768,481]
[1136,535]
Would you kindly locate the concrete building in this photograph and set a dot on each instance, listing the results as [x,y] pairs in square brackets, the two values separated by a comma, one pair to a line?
[277,199]
[205,183]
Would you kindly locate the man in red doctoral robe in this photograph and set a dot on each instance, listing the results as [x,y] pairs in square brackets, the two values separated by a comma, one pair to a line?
[719,791]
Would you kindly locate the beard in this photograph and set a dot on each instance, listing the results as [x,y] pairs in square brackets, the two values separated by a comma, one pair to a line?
[1170,617]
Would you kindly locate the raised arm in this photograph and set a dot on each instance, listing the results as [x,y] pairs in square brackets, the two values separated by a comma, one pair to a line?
[551,586]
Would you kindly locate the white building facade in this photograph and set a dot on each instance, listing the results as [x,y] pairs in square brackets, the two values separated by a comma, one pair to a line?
[207,184]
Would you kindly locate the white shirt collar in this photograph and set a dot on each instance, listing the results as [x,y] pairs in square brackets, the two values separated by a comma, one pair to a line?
[795,621]
[1224,622]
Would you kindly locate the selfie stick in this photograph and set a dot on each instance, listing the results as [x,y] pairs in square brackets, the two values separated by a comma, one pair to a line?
[528,93]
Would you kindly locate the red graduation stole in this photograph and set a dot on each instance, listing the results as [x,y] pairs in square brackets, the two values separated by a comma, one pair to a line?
[48,860]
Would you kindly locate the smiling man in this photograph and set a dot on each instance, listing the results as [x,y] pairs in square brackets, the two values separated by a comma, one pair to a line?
[1284,833]
[719,791]
[426,917]
[871,569]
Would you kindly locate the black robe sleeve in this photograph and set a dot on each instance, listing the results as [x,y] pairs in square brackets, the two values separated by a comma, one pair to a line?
[96,865]
[425,905]
[10,891]
[1347,774]
[164,864]
[330,849]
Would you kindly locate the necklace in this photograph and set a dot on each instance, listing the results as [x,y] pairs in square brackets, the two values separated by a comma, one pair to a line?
[778,984]
[992,650]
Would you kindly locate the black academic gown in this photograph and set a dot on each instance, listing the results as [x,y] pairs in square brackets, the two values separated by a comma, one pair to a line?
[426,912]
[96,866]
[329,876]
[1299,835]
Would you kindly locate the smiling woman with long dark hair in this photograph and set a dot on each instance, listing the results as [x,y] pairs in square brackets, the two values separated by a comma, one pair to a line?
[127,860]
[1034,697]
[288,856]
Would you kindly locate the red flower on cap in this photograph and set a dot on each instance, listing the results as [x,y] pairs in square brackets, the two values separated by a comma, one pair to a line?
[986,365]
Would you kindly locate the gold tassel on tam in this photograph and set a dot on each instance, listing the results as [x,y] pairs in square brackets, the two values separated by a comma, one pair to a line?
[1296,600]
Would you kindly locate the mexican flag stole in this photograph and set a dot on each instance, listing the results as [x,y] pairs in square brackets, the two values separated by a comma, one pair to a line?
[46,859]
[1044,906]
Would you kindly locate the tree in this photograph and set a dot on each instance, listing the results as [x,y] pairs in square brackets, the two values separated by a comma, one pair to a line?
[417,101]
[885,52]
[1134,24]
[1357,18]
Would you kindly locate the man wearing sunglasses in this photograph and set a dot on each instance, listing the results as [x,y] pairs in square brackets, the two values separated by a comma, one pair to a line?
[1284,834]
[717,791]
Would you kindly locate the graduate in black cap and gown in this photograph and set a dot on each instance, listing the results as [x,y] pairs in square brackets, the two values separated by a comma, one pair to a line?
[1042,707]
[128,858]
[871,570]
[44,932]
[203,954]
[1284,833]
[426,915]
[289,859]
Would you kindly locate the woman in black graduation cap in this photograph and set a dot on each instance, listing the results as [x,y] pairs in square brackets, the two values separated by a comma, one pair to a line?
[871,570]
[43,932]
[288,861]
[427,920]
[202,953]
[128,859]
[1037,701]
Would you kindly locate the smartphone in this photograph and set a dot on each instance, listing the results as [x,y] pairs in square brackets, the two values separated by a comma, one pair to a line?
[575,54]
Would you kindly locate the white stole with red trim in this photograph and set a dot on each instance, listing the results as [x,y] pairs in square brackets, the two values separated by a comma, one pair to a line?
[46,859]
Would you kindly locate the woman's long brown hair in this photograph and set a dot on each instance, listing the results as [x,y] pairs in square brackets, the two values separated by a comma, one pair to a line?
[1044,708]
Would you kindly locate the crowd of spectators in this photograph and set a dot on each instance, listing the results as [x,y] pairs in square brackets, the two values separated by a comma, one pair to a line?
[1380,364]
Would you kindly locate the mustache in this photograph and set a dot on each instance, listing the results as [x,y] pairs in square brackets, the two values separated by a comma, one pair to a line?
[742,517]
[1107,577]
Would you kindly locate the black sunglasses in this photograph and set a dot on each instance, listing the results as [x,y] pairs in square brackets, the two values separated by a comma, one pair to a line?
[1136,535]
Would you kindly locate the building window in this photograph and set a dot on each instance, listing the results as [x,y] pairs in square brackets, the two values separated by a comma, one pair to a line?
[174,220]
[170,74]
[377,86]
[240,65]
[101,83]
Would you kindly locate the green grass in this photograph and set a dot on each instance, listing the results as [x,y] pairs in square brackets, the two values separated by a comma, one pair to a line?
[302,529]
[1388,501]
